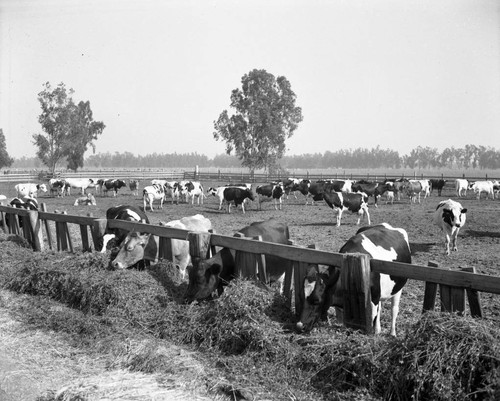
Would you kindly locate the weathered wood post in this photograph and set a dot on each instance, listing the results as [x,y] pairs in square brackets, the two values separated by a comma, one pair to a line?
[249,264]
[473,297]
[355,284]
[98,231]
[299,274]
[199,245]
[35,229]
[165,247]
[85,236]
[47,226]
[430,292]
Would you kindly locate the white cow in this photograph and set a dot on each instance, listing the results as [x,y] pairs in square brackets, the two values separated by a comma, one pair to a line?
[482,186]
[152,193]
[450,217]
[78,183]
[29,189]
[461,186]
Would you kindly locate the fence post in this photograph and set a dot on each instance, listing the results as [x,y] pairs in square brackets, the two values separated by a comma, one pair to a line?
[199,243]
[246,264]
[98,231]
[430,292]
[299,274]
[47,227]
[473,297]
[165,247]
[355,282]
[35,230]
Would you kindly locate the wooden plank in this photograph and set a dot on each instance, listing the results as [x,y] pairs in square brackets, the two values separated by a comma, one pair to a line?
[430,292]
[478,282]
[355,281]
[98,229]
[35,230]
[43,207]
[198,246]
[68,218]
[245,263]
[473,297]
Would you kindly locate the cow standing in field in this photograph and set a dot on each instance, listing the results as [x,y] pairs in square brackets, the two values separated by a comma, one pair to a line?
[461,186]
[113,185]
[354,202]
[134,187]
[232,194]
[482,186]
[152,193]
[56,186]
[29,189]
[322,289]
[191,190]
[450,216]
[437,184]
[213,274]
[78,183]
[272,191]
[139,247]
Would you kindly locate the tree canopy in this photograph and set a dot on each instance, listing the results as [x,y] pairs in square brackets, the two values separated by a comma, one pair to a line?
[264,116]
[69,128]
[5,159]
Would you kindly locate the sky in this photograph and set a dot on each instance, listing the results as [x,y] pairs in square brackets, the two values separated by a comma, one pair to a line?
[389,73]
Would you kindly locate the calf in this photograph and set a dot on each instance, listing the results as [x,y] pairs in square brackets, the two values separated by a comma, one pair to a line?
[354,202]
[450,216]
[121,212]
[461,186]
[139,247]
[270,191]
[322,289]
[29,189]
[85,200]
[214,273]
[482,186]
[152,193]
[437,184]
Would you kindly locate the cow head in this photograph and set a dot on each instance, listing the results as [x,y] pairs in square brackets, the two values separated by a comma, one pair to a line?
[317,296]
[250,194]
[135,248]
[454,217]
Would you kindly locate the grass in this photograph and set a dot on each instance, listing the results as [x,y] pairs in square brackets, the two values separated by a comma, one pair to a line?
[245,348]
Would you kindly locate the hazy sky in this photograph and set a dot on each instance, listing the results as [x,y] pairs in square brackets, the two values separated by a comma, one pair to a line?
[394,73]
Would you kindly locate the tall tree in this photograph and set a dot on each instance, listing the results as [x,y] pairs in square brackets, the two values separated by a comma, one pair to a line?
[264,116]
[69,128]
[5,159]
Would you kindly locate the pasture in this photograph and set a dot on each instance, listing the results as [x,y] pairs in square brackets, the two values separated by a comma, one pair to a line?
[478,241]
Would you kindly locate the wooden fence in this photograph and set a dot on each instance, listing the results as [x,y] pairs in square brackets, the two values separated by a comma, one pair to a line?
[355,268]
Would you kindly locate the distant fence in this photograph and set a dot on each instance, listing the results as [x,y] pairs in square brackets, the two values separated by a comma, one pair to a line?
[355,268]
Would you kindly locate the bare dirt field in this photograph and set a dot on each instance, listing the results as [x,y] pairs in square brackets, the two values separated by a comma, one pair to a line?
[478,242]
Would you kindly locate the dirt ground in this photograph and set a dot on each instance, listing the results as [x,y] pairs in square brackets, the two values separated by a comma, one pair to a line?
[478,242]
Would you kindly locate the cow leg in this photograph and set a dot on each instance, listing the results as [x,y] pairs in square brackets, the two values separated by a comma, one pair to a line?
[447,245]
[376,310]
[395,311]
[339,217]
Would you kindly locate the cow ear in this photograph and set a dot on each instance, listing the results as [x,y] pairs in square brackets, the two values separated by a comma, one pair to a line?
[145,239]
[463,211]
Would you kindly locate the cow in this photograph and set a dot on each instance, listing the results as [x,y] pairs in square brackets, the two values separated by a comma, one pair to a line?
[370,189]
[322,289]
[238,196]
[113,185]
[288,186]
[173,190]
[213,274]
[461,186]
[180,248]
[192,189]
[272,191]
[78,183]
[450,216]
[56,186]
[496,188]
[121,212]
[134,186]
[303,188]
[25,202]
[29,189]
[413,190]
[399,186]
[437,184]
[85,200]
[152,193]
[354,202]
[138,247]
[316,190]
[482,186]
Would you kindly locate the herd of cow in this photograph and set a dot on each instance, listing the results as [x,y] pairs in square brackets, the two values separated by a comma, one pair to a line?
[321,285]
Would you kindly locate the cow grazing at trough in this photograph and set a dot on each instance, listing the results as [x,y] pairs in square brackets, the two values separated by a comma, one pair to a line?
[78,183]
[113,185]
[25,202]
[482,186]
[437,184]
[134,186]
[138,247]
[29,189]
[152,193]
[85,200]
[353,202]
[213,274]
[121,212]
[322,289]
[273,191]
[461,186]
[450,216]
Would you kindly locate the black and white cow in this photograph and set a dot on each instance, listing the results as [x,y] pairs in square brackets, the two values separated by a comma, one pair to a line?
[437,184]
[273,191]
[25,202]
[354,202]
[134,186]
[238,196]
[78,183]
[29,189]
[152,193]
[121,212]
[191,190]
[56,186]
[85,200]
[450,216]
[322,288]
[213,274]
[113,185]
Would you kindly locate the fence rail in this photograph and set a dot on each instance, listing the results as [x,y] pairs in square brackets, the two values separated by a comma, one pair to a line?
[452,283]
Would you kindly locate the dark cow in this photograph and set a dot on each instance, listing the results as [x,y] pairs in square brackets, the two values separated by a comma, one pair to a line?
[121,212]
[354,202]
[26,202]
[113,185]
[450,217]
[270,191]
[374,189]
[316,190]
[288,186]
[322,288]
[302,187]
[56,186]
[237,195]
[437,184]
[214,273]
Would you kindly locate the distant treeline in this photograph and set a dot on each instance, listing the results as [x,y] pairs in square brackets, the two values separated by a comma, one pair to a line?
[471,156]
